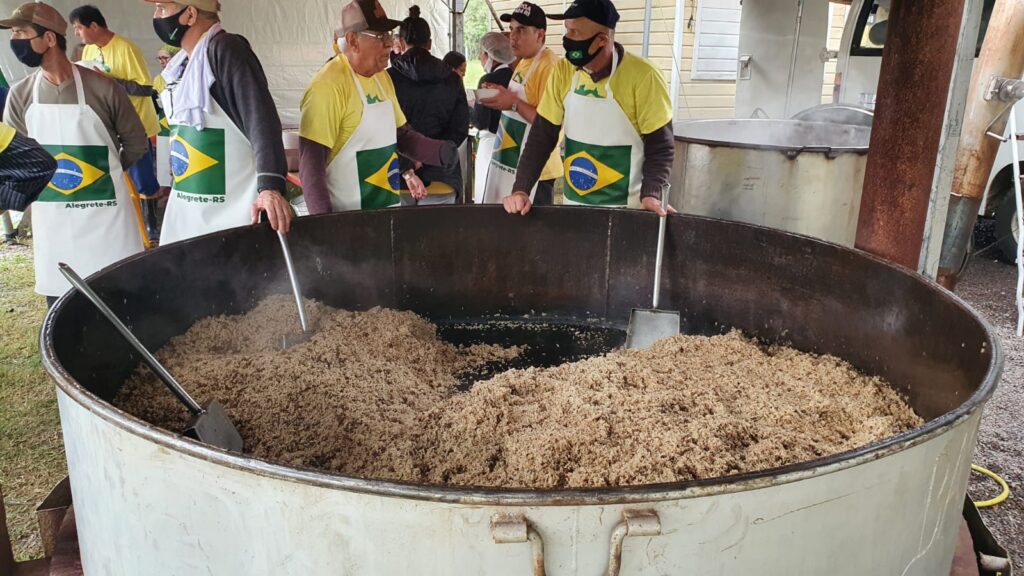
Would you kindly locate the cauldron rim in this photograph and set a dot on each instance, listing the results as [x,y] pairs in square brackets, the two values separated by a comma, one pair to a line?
[475,495]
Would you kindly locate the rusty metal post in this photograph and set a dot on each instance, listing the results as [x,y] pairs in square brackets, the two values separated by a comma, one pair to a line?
[913,89]
[1002,56]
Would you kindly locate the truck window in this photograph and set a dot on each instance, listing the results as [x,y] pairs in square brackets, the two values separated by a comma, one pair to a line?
[873,25]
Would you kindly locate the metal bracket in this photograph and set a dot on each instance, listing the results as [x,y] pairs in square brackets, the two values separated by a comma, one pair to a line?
[634,523]
[744,71]
[827,55]
[1009,90]
[516,529]
[1004,89]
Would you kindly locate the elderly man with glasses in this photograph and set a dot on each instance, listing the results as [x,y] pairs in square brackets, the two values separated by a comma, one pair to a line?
[356,147]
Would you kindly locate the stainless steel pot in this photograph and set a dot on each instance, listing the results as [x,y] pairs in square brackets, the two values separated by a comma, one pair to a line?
[803,177]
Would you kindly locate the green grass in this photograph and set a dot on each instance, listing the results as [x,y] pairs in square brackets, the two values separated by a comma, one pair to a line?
[31,451]
[474,71]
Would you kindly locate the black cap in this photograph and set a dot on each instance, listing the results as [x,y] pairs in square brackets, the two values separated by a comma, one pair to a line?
[527,14]
[601,11]
[360,15]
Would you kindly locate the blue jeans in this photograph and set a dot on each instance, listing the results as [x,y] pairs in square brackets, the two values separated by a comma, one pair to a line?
[143,174]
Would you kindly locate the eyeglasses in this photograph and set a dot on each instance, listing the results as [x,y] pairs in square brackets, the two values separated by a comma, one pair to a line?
[385,37]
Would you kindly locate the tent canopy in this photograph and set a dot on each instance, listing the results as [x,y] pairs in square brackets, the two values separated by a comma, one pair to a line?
[292,39]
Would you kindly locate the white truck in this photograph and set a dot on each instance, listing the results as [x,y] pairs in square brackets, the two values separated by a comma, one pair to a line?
[857,71]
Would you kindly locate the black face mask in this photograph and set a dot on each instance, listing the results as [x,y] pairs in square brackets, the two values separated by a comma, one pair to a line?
[25,54]
[577,52]
[170,30]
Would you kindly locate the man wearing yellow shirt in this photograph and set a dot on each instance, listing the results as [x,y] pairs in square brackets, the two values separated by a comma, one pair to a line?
[518,103]
[121,60]
[616,113]
[353,131]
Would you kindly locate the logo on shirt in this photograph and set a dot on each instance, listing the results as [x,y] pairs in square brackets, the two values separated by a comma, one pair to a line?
[592,92]
[83,175]
[597,175]
[511,133]
[379,177]
[197,160]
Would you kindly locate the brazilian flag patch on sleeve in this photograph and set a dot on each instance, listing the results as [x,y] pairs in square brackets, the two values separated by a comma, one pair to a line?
[597,175]
[379,177]
[83,175]
[197,161]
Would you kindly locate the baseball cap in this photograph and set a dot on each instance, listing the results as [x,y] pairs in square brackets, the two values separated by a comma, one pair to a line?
[39,14]
[204,5]
[360,15]
[602,12]
[527,14]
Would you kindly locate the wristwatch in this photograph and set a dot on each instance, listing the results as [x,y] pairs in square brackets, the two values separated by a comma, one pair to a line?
[408,174]
[515,105]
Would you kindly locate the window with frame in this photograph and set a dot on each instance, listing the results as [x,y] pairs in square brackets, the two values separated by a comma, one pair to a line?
[716,43]
[873,26]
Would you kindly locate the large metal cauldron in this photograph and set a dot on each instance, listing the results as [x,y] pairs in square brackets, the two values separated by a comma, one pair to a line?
[803,177]
[151,503]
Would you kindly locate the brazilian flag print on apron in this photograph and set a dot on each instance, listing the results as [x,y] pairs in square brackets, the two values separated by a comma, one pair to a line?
[513,130]
[365,173]
[85,216]
[604,154]
[213,175]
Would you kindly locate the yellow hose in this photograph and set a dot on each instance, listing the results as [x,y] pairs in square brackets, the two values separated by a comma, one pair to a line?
[137,204]
[998,480]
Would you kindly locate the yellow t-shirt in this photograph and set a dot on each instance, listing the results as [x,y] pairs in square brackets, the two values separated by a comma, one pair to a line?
[637,86]
[123,60]
[159,83]
[534,89]
[6,136]
[331,110]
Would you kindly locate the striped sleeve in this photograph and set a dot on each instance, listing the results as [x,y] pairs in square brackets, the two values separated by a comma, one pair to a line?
[25,170]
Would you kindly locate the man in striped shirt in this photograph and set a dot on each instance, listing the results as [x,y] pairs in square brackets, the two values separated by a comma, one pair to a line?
[25,169]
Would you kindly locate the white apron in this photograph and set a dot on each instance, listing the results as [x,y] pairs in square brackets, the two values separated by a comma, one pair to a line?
[604,154]
[163,150]
[85,216]
[365,174]
[484,148]
[513,131]
[213,175]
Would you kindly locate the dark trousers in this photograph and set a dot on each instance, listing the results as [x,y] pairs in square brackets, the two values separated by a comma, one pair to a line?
[545,195]
[143,175]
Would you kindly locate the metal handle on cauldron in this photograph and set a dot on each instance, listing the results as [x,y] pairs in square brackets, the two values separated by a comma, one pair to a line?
[634,523]
[516,529]
[294,280]
[151,360]
[661,247]
[296,289]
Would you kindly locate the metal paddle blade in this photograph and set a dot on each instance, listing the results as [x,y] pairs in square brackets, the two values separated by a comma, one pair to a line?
[294,339]
[648,326]
[213,427]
